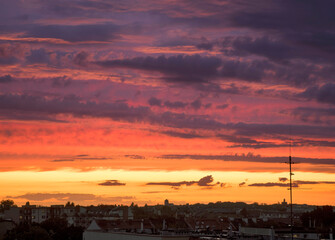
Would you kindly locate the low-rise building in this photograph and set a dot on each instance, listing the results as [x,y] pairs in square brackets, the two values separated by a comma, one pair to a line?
[110,230]
[40,214]
[12,214]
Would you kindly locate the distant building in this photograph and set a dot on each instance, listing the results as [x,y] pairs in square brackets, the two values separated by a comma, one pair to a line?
[26,213]
[56,211]
[40,214]
[265,216]
[122,212]
[12,214]
[137,230]
[272,234]
[166,202]
[264,233]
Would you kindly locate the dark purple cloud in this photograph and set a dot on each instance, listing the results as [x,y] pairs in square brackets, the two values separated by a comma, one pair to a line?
[286,16]
[278,49]
[81,58]
[293,29]
[61,82]
[173,184]
[206,181]
[119,111]
[249,158]
[63,160]
[175,105]
[72,105]
[272,184]
[185,67]
[196,104]
[252,71]
[283,179]
[238,139]
[264,71]
[202,69]
[296,183]
[38,56]
[82,157]
[182,120]
[112,183]
[9,54]
[135,156]
[78,33]
[155,102]
[223,106]
[323,94]
[243,134]
[313,114]
[252,130]
[186,135]
[263,46]
[205,46]
[295,143]
[8,60]
[301,182]
[6,79]
[242,184]
[8,115]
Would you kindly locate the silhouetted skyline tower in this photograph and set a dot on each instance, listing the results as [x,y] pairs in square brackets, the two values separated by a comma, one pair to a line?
[291,190]
[166,202]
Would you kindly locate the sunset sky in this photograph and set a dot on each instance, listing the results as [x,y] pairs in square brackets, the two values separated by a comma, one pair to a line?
[115,102]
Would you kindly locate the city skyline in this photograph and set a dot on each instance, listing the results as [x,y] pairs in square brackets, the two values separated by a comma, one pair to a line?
[114,102]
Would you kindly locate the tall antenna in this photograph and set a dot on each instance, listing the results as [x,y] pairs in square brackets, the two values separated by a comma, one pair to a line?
[291,204]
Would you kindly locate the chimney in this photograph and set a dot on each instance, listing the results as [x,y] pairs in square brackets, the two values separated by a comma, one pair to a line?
[272,233]
[331,234]
[164,224]
[142,227]
[125,213]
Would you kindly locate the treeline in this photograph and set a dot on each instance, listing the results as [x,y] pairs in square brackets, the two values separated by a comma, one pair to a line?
[6,204]
[51,229]
[320,218]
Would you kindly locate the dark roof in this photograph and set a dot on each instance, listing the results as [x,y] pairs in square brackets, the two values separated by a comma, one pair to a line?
[123,225]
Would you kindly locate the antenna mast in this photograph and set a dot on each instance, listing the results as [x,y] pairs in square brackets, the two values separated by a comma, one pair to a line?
[291,204]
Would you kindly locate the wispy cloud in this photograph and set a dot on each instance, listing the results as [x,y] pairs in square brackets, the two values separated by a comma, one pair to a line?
[296,183]
[249,158]
[207,181]
[112,183]
[81,157]
[63,197]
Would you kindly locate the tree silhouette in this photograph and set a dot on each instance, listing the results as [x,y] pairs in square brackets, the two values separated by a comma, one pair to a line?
[26,232]
[6,204]
[323,217]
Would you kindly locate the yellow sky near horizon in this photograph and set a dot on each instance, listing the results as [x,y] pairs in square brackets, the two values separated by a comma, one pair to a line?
[60,186]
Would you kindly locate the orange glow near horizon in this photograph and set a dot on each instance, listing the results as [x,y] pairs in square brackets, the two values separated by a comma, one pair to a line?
[35,187]
[72,160]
